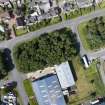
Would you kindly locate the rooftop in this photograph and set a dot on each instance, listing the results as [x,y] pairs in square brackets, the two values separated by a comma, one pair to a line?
[48,91]
[65,75]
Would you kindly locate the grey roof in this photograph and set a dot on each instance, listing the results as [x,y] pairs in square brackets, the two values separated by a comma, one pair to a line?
[48,91]
[65,75]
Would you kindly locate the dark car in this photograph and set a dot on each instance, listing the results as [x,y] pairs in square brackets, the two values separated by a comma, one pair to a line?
[11,84]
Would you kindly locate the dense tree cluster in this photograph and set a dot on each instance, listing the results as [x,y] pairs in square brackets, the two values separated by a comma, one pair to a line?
[6,64]
[96,32]
[47,50]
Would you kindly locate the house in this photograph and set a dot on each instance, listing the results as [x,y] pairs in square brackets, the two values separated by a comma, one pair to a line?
[6,3]
[48,90]
[20,21]
[65,75]
[84,3]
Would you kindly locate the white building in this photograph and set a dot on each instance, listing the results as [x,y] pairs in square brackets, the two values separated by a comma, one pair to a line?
[9,99]
[65,75]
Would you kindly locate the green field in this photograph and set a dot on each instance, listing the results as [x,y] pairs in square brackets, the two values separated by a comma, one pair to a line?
[84,85]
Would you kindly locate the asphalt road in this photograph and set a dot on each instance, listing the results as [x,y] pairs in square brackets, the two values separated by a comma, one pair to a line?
[73,24]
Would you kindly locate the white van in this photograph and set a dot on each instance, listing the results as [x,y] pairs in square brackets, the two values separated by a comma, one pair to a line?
[85,61]
[94,102]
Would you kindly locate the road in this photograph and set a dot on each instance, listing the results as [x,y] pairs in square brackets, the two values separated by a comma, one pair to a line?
[16,76]
[73,24]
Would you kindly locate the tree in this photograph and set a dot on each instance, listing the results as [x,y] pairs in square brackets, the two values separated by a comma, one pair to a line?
[47,50]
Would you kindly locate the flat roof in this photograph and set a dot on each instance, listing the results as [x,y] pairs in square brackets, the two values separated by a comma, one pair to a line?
[65,75]
[48,91]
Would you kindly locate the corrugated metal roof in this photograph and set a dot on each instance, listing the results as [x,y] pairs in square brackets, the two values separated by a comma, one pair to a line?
[48,91]
[65,75]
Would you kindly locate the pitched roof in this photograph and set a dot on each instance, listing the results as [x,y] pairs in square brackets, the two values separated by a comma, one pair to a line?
[48,91]
[65,75]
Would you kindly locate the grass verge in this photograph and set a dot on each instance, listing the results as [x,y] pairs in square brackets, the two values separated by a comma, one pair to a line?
[83,35]
[29,91]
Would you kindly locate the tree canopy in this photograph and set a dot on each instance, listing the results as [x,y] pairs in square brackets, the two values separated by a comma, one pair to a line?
[47,50]
[96,32]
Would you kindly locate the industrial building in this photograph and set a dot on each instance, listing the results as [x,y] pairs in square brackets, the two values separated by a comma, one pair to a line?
[48,90]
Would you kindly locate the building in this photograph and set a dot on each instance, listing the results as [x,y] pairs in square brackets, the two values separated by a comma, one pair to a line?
[65,75]
[48,90]
[6,3]
[84,3]
[9,99]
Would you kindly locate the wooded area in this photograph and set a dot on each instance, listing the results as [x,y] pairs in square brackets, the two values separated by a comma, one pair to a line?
[47,50]
[96,32]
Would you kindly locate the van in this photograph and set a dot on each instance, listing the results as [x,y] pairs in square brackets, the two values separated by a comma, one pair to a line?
[85,61]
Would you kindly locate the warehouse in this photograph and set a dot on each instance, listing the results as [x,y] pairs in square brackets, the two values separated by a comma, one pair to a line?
[48,91]
[65,75]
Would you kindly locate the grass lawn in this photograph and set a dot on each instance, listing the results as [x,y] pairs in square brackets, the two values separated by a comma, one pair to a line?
[55,20]
[83,35]
[21,31]
[29,91]
[93,74]
[84,85]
